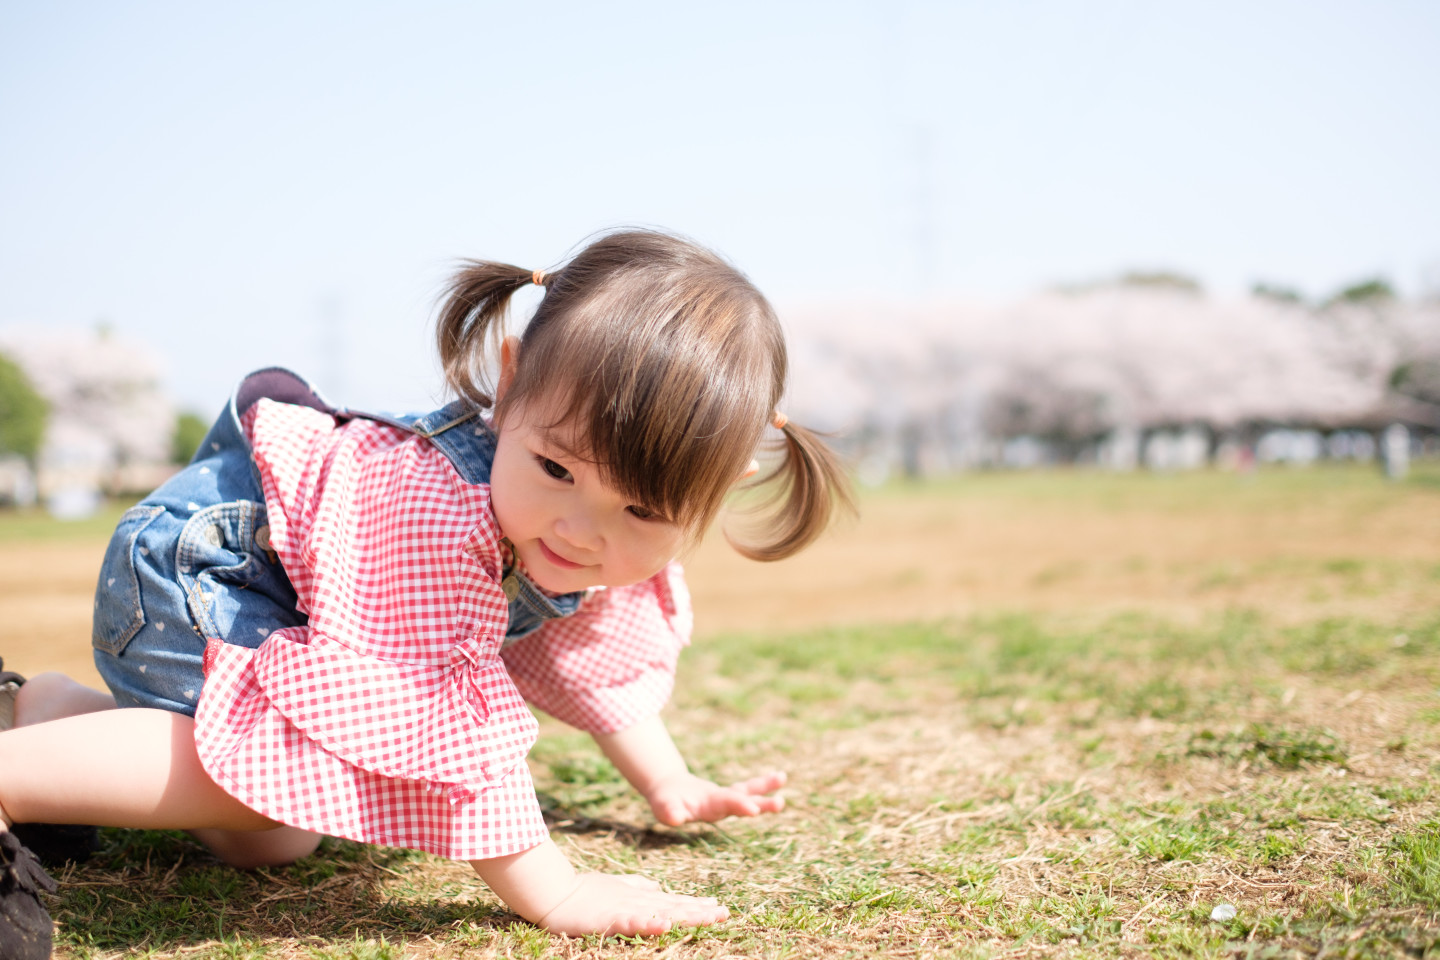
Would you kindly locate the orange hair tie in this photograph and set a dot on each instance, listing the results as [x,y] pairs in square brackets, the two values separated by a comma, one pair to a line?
[779,420]
[538,277]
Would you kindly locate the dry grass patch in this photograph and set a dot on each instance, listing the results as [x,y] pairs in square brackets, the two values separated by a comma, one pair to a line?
[1092,774]
[987,788]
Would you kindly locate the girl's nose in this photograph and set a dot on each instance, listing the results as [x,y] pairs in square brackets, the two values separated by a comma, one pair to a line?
[580,530]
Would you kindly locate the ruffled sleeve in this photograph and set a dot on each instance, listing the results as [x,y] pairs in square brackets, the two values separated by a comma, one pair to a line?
[611,664]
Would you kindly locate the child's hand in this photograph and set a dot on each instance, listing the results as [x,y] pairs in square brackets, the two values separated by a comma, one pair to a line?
[627,906]
[684,797]
[646,756]
[541,886]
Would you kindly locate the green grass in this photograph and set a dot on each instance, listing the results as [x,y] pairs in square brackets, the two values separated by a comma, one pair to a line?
[1266,488]
[34,524]
[1413,870]
[1011,784]
[1153,772]
[1132,666]
[1287,749]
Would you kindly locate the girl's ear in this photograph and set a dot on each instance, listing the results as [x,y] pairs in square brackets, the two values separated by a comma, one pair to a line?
[750,471]
[509,362]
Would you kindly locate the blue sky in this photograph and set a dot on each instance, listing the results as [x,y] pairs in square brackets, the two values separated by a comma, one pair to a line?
[291,182]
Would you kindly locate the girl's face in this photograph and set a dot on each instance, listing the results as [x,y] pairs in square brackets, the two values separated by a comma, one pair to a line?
[569,528]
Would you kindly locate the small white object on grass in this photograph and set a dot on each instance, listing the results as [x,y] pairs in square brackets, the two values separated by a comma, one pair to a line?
[1223,912]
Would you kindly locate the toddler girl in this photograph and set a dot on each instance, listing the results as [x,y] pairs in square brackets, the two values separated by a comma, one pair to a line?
[330,622]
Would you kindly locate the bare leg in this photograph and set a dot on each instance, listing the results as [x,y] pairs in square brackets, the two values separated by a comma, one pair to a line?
[50,696]
[53,696]
[126,768]
[134,768]
[248,849]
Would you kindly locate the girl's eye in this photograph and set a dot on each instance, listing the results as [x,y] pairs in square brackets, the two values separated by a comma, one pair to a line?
[643,513]
[553,469]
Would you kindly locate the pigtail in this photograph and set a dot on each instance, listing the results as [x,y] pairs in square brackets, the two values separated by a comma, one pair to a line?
[472,324]
[807,487]
[661,359]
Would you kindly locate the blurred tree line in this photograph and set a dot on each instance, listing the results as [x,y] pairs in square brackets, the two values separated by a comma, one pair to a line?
[23,412]
[190,430]
[1111,371]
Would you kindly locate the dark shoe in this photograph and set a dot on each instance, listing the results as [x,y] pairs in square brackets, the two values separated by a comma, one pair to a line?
[10,682]
[56,844]
[25,925]
[53,844]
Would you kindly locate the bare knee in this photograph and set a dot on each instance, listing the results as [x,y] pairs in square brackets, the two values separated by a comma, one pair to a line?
[50,696]
[251,849]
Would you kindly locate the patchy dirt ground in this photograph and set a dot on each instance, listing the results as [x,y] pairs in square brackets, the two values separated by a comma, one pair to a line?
[1182,546]
[1033,820]
[1298,546]
[1074,715]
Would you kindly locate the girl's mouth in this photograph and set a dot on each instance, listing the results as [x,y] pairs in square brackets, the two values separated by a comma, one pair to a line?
[556,559]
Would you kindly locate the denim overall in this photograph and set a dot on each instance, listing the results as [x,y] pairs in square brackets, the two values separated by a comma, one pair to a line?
[193,559]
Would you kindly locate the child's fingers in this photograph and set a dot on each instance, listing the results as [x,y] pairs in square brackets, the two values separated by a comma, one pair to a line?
[628,905]
[769,804]
[672,813]
[764,783]
[692,910]
[749,806]
[741,806]
[723,803]
[658,912]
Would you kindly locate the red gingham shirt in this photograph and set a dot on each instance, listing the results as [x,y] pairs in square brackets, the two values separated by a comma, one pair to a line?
[392,717]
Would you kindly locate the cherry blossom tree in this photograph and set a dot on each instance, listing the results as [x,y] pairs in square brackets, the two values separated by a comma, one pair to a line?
[1072,368]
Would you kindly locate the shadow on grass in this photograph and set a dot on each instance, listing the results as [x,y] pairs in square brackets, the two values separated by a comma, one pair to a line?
[568,821]
[161,891]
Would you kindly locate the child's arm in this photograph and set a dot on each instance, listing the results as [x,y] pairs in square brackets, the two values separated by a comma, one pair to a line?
[647,757]
[541,886]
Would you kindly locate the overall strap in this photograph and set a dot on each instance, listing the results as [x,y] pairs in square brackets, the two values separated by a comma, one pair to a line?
[468,441]
[456,430]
